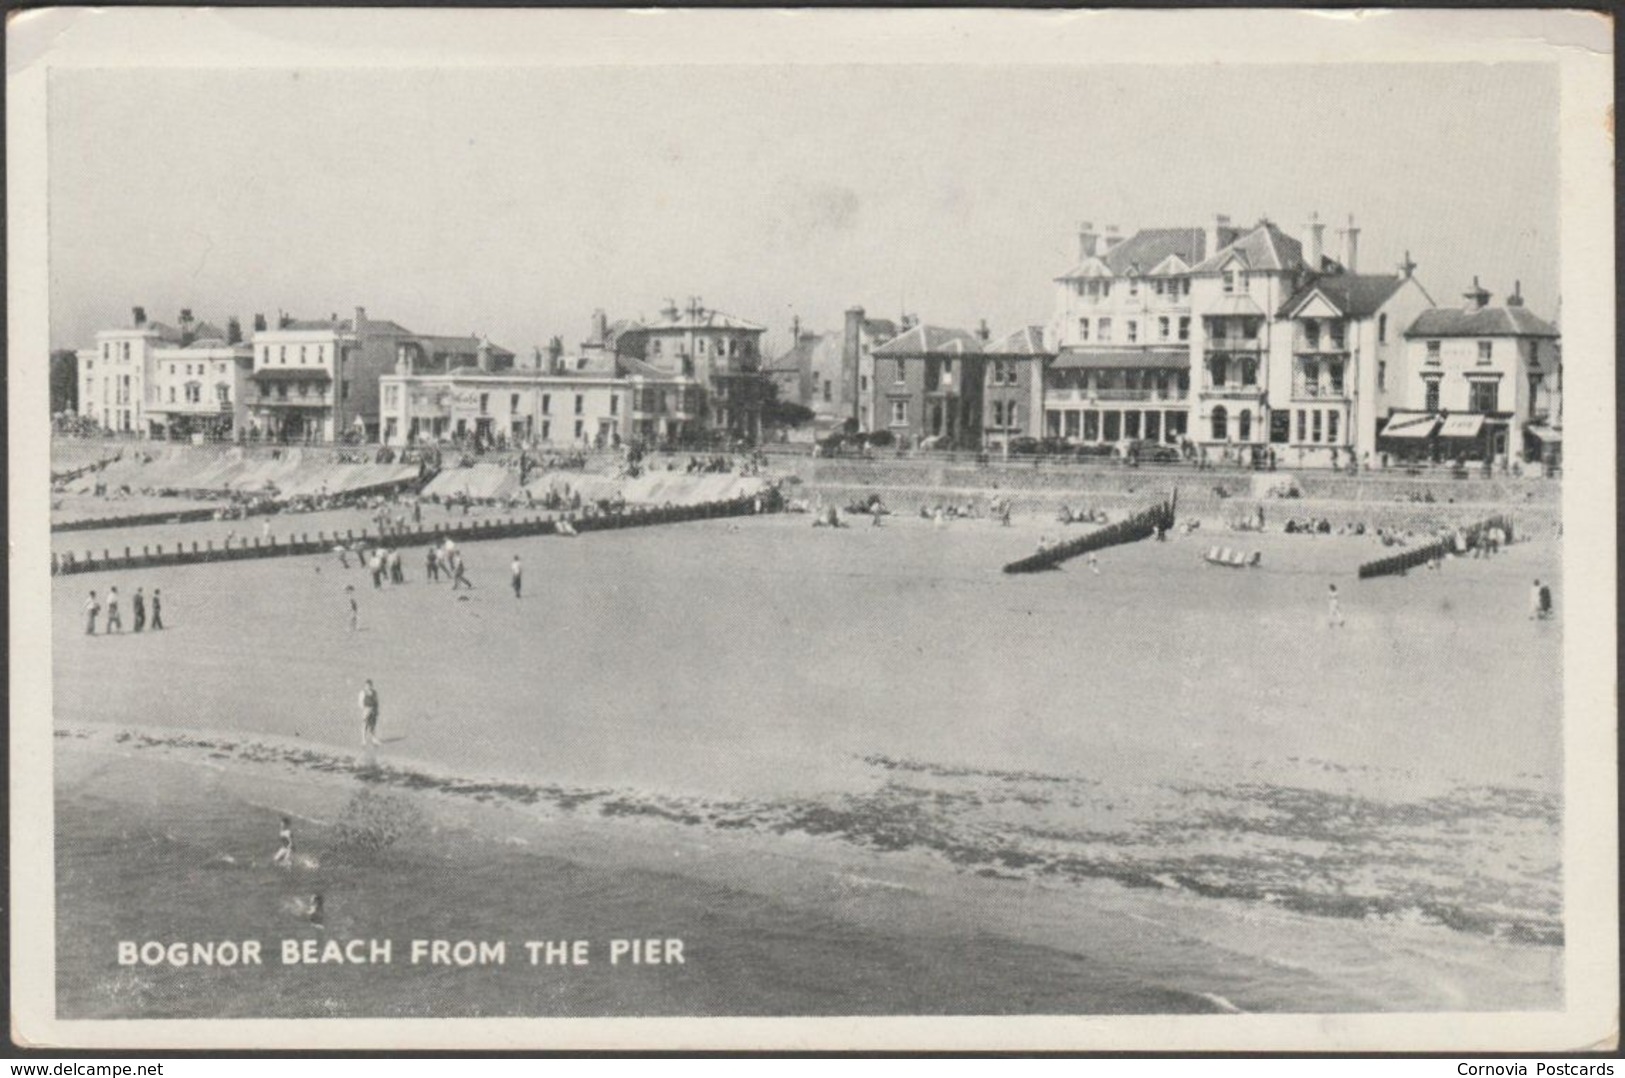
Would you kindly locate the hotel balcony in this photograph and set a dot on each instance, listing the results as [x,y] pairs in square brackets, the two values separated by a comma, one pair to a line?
[1171,395]
[1320,391]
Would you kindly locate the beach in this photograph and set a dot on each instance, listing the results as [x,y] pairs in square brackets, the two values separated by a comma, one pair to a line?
[1160,762]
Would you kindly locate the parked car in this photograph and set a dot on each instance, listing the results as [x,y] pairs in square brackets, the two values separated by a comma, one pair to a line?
[1147,452]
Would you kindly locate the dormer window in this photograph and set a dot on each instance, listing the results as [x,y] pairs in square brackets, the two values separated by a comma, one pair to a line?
[1230,276]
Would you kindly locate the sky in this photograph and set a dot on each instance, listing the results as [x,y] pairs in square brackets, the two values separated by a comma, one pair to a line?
[513,202]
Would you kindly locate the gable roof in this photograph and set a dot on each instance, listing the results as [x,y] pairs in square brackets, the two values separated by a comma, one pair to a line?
[1265,249]
[1146,252]
[924,340]
[1355,295]
[800,354]
[1026,341]
[707,320]
[1484,322]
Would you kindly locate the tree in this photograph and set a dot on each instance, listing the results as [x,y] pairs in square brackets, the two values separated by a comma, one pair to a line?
[64,381]
[234,330]
[781,413]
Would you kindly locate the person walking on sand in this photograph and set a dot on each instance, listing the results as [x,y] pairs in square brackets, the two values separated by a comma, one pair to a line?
[355,608]
[157,610]
[138,607]
[1094,563]
[376,565]
[458,577]
[283,858]
[1534,601]
[93,607]
[431,565]
[518,577]
[1334,608]
[114,622]
[369,714]
[396,574]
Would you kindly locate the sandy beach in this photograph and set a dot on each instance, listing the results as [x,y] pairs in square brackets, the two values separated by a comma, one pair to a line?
[653,706]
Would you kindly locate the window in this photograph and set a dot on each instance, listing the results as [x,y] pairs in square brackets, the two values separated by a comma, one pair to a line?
[547,403]
[1382,329]
[1091,425]
[1482,397]
[1244,426]
[1184,329]
[282,354]
[1331,427]
[1382,374]
[1105,334]
[614,405]
[1133,331]
[998,413]
[581,404]
[321,354]
[654,347]
[828,385]
[106,353]
[1335,370]
[547,429]
[1431,395]
[1010,415]
[171,394]
[1221,424]
[194,393]
[1433,351]
[700,346]
[1303,425]
[1485,349]
[1338,337]
[863,383]
[1314,425]
[1229,280]
[1162,329]
[899,372]
[222,393]
[581,427]
[899,413]
[126,351]
[1133,286]
[344,389]
[485,403]
[1083,329]
[1249,371]
[1185,285]
[301,355]
[513,402]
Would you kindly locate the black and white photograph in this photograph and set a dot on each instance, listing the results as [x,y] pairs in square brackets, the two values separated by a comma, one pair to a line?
[838,529]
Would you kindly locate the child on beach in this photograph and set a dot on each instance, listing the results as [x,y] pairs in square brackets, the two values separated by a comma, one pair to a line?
[114,623]
[1334,608]
[157,610]
[369,714]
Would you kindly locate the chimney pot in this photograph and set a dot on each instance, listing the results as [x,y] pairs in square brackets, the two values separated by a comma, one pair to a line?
[139,314]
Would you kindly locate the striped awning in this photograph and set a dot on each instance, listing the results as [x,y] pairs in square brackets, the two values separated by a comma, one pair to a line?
[1544,433]
[1410,425]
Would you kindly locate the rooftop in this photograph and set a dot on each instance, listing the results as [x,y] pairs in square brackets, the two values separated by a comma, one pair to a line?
[1500,321]
[1356,295]
[923,340]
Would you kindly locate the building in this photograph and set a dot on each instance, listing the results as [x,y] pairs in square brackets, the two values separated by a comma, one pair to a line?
[1122,331]
[833,374]
[1347,331]
[1013,396]
[509,407]
[1478,382]
[697,347]
[200,388]
[114,375]
[318,380]
[1242,357]
[928,387]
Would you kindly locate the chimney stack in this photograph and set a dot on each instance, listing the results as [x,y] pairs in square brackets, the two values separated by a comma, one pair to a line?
[259,323]
[482,354]
[186,317]
[403,358]
[360,320]
[139,314]
[983,334]
[1113,238]
[1216,234]
[795,330]
[600,326]
[1478,297]
[669,311]
[1516,299]
[1351,247]
[1314,245]
[1088,238]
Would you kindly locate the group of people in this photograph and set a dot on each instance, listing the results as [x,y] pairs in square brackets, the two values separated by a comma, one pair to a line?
[115,619]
